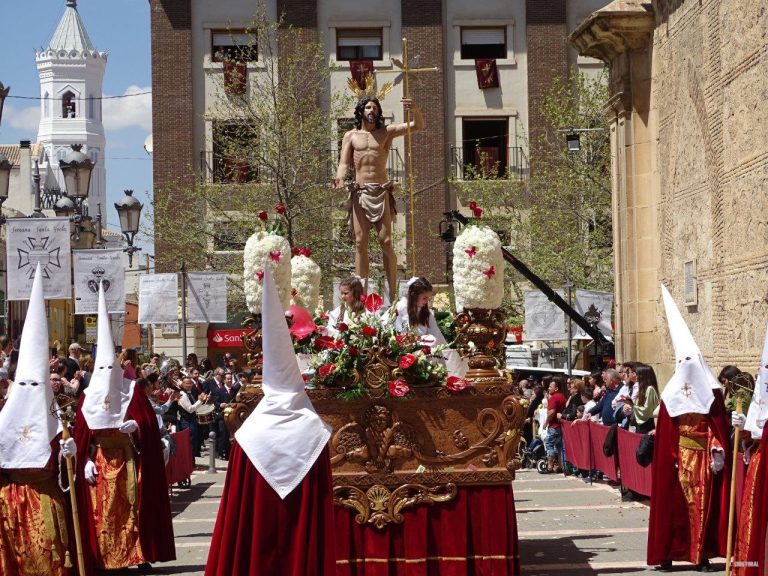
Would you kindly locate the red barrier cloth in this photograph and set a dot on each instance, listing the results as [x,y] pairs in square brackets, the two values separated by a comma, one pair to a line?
[577,446]
[475,533]
[181,464]
[606,464]
[633,476]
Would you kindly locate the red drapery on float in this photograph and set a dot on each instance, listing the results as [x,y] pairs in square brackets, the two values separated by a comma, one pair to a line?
[474,534]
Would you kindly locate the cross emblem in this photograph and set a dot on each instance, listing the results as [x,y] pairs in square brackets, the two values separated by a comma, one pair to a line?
[106,404]
[687,390]
[25,435]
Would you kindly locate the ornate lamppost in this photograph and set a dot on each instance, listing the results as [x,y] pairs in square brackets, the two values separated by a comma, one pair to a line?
[129,210]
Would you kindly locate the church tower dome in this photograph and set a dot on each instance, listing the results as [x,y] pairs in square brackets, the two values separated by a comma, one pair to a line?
[71,72]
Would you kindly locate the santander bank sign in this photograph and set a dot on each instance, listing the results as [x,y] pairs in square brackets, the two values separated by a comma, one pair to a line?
[225,338]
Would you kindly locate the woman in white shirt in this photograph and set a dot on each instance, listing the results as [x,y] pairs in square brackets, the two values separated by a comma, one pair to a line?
[351,292]
[413,313]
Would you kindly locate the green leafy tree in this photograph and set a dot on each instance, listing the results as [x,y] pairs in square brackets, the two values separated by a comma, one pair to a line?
[272,148]
[558,220]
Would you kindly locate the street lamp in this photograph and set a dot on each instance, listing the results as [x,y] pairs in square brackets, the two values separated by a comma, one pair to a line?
[129,210]
[77,168]
[572,138]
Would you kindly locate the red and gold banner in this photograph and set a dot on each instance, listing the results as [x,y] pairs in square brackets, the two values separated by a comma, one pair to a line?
[235,76]
[487,73]
[360,69]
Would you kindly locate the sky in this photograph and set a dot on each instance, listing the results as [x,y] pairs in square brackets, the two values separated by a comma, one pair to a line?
[119,27]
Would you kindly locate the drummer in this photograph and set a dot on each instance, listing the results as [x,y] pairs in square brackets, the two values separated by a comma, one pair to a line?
[189,403]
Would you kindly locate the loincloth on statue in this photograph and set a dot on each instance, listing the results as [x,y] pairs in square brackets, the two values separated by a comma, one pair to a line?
[372,199]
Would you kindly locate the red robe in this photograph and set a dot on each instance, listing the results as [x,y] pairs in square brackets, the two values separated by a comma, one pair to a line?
[154,516]
[757,541]
[668,529]
[258,533]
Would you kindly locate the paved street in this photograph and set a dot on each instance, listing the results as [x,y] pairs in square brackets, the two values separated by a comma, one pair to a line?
[565,526]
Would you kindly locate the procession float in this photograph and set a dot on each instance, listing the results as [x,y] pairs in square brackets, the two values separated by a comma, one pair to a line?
[413,447]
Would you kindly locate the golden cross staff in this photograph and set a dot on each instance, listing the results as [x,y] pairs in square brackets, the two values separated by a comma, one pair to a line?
[403,69]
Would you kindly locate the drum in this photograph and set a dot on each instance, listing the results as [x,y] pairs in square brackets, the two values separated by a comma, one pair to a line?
[205,414]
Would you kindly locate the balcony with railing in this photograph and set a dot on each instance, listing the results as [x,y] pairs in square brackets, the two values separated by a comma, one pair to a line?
[471,162]
[216,168]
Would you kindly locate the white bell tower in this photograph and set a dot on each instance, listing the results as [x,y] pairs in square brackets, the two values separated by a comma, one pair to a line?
[71,72]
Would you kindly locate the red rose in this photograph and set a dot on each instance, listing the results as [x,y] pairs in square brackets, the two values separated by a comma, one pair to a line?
[323,316]
[400,338]
[280,209]
[326,370]
[473,205]
[305,252]
[353,351]
[477,212]
[342,327]
[369,331]
[426,350]
[295,251]
[263,215]
[398,388]
[456,384]
[406,361]
[338,344]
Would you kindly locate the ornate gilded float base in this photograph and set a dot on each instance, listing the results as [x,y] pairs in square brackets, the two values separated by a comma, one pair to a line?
[381,506]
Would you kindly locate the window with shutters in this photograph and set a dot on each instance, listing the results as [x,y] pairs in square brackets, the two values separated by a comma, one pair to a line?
[233,46]
[483,42]
[358,44]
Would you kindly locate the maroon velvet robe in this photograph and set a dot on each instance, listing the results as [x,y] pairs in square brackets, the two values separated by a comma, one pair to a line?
[154,519]
[256,532]
[668,530]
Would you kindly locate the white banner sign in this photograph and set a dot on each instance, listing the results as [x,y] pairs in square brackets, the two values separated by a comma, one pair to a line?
[596,307]
[43,240]
[543,320]
[92,266]
[158,298]
[206,297]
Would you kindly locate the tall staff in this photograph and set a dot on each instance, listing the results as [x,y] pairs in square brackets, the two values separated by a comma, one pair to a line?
[404,68]
[65,413]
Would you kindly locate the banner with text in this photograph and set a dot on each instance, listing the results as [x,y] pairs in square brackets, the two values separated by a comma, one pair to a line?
[92,266]
[38,240]
[158,298]
[206,297]
[543,320]
[596,307]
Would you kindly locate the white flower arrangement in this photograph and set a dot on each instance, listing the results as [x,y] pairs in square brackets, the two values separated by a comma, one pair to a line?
[478,269]
[266,248]
[305,279]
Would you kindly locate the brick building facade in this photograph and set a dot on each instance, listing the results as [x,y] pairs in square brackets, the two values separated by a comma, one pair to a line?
[526,39]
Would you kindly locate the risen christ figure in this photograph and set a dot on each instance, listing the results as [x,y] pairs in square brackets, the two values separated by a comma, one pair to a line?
[371,200]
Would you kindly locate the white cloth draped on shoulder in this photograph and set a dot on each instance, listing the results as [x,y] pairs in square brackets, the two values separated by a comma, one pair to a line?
[431,336]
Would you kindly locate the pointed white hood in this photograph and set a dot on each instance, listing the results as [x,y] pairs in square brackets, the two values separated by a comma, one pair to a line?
[758,407]
[284,435]
[108,394]
[27,426]
[690,388]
